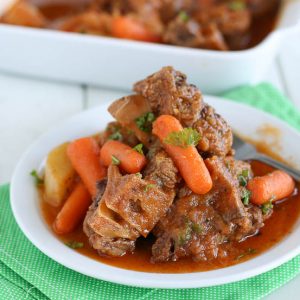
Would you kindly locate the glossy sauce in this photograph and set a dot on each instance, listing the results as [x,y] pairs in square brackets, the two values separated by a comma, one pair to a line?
[262,26]
[278,226]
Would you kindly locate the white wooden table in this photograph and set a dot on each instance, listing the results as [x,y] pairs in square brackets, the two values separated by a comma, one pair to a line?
[29,107]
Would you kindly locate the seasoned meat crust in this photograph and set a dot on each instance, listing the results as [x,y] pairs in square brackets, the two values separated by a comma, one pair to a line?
[191,34]
[139,202]
[220,15]
[111,245]
[162,170]
[168,93]
[198,225]
[157,200]
[216,134]
[129,206]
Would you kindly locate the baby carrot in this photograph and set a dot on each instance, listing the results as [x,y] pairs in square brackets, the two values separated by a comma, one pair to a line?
[84,156]
[128,28]
[271,187]
[121,154]
[73,211]
[187,159]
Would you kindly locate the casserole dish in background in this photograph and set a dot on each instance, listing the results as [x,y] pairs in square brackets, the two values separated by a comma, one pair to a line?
[118,63]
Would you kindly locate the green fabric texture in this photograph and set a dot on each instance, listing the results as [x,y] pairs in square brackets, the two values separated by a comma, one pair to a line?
[26,273]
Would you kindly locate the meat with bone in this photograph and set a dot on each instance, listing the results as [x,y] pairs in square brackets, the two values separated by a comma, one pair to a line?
[138,201]
[116,241]
[198,225]
[129,206]
[168,93]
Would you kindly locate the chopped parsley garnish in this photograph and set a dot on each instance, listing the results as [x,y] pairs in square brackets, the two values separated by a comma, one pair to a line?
[237,5]
[38,180]
[180,242]
[244,177]
[114,131]
[139,175]
[139,148]
[249,251]
[246,197]
[184,237]
[74,244]
[183,16]
[266,207]
[116,136]
[149,186]
[184,138]
[197,228]
[186,233]
[115,161]
[145,121]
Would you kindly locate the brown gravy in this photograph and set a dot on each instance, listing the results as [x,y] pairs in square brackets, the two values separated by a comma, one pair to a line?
[55,10]
[276,228]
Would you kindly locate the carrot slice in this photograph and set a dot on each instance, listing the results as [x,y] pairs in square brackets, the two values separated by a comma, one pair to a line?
[188,160]
[119,153]
[128,28]
[271,187]
[73,211]
[84,156]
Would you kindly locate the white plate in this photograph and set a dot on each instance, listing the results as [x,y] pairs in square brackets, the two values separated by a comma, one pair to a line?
[25,204]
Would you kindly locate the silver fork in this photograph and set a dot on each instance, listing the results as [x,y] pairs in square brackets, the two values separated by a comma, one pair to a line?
[245,151]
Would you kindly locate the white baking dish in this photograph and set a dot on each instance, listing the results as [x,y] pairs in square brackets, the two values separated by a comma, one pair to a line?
[119,63]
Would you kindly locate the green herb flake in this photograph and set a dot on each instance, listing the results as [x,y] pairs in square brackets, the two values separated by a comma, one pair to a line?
[129,131]
[114,130]
[245,173]
[116,136]
[188,234]
[246,197]
[149,186]
[180,241]
[74,244]
[115,161]
[244,177]
[187,231]
[249,251]
[184,138]
[227,165]
[266,207]
[145,121]
[197,228]
[237,5]
[183,16]
[139,148]
[139,175]
[38,180]
[185,235]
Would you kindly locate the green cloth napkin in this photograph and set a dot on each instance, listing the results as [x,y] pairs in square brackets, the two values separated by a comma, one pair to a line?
[26,273]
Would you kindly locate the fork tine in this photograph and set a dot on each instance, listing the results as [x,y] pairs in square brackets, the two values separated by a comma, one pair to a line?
[237,141]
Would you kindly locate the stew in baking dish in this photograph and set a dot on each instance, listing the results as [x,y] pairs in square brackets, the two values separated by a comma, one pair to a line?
[206,24]
[160,190]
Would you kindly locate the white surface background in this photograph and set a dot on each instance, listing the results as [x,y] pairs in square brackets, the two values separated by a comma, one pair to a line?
[28,107]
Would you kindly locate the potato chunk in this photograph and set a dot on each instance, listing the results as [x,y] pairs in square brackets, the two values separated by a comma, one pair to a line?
[59,175]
